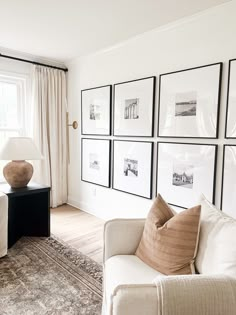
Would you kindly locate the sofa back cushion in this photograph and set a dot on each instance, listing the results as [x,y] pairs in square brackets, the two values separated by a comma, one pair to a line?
[169,240]
[217,241]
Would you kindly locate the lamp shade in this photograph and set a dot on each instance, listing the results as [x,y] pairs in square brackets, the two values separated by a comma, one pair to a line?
[20,148]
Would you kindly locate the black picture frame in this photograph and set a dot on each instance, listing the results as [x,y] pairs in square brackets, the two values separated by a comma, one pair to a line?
[150,194]
[220,64]
[108,165]
[108,133]
[215,146]
[223,176]
[153,96]
[227,100]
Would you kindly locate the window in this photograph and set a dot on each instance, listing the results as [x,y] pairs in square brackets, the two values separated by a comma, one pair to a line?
[12,109]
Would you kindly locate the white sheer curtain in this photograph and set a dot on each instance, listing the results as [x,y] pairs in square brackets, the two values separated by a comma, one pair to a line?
[49,99]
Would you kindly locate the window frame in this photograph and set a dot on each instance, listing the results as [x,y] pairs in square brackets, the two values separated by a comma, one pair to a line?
[22,83]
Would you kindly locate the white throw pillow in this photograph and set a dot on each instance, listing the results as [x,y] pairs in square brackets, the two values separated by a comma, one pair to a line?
[217,242]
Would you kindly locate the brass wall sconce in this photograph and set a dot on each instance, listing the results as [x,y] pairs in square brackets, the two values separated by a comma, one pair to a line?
[74,125]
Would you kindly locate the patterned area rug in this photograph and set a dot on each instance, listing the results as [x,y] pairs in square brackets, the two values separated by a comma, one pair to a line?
[46,277]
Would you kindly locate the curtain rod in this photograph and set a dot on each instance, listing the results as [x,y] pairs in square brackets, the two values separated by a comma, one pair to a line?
[33,62]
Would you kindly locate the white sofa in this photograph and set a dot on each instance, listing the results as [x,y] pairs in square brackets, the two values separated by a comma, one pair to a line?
[3,224]
[133,288]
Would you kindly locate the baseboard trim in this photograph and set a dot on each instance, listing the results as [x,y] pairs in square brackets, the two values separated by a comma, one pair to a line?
[84,206]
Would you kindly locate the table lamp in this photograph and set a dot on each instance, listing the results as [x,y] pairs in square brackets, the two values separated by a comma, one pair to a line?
[18,172]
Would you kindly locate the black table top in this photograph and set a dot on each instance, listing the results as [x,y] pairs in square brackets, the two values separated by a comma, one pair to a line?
[32,188]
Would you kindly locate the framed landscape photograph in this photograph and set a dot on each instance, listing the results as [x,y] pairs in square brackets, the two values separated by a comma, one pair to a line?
[132,167]
[230,129]
[134,107]
[185,171]
[95,161]
[96,111]
[189,102]
[228,196]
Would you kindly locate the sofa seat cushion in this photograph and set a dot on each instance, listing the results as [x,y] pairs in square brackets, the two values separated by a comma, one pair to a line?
[127,269]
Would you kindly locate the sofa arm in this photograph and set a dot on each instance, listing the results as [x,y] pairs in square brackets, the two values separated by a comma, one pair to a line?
[134,299]
[121,237]
[196,295]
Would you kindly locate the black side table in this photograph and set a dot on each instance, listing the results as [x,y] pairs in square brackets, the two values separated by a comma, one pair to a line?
[28,211]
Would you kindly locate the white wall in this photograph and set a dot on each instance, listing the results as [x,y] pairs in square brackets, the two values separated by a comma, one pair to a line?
[8,65]
[202,39]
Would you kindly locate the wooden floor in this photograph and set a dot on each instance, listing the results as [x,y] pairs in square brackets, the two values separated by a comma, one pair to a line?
[79,229]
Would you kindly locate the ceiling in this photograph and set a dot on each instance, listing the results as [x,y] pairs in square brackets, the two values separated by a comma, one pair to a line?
[64,29]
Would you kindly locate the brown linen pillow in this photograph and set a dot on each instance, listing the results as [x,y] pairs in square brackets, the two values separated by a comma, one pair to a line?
[169,241]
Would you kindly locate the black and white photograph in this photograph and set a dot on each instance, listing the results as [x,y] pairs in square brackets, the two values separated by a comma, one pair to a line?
[95,161]
[186,104]
[183,175]
[134,108]
[228,195]
[230,130]
[189,102]
[185,171]
[132,167]
[131,109]
[96,111]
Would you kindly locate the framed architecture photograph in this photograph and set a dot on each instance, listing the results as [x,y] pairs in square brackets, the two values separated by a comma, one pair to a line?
[95,161]
[132,167]
[134,108]
[230,126]
[185,171]
[96,111]
[228,196]
[189,102]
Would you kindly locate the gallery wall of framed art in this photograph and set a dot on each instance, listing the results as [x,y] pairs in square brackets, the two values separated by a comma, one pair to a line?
[189,102]
[96,111]
[190,43]
[230,125]
[133,167]
[134,108]
[185,171]
[95,161]
[228,195]
[188,107]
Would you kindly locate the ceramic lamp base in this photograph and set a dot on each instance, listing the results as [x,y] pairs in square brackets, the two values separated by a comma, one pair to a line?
[18,173]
